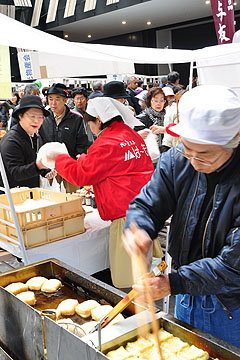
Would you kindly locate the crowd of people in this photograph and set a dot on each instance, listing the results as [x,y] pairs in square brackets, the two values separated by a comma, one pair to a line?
[195,181]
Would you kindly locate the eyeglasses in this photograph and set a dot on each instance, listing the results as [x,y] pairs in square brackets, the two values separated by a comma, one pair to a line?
[35,117]
[189,157]
[158,101]
[80,99]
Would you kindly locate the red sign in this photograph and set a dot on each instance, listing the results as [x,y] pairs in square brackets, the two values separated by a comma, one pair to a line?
[223,14]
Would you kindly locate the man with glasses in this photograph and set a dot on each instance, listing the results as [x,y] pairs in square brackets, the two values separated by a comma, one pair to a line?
[198,184]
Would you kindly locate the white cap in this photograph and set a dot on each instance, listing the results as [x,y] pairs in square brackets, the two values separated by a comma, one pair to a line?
[168,91]
[209,114]
[107,108]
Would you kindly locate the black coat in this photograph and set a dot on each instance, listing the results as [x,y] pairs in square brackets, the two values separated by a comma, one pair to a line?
[133,101]
[19,152]
[70,131]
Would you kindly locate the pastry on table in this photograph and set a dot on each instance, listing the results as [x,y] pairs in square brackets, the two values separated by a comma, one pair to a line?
[84,309]
[36,282]
[16,288]
[28,297]
[51,285]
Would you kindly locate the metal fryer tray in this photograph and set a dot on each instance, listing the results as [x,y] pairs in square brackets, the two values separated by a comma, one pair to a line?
[215,347]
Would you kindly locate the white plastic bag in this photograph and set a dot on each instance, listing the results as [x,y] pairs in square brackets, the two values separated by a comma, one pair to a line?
[46,149]
[152,146]
[45,184]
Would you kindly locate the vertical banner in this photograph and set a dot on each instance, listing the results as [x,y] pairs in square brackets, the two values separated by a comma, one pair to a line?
[223,15]
[29,65]
[5,73]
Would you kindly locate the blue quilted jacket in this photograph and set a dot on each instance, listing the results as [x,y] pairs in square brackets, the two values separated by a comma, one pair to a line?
[177,190]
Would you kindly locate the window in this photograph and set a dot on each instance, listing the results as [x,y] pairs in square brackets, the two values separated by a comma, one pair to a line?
[36,13]
[70,8]
[90,5]
[52,11]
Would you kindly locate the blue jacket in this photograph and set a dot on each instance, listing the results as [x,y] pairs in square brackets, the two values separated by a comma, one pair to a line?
[177,190]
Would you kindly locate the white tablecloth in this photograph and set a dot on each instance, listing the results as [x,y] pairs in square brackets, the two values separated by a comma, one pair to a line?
[87,252]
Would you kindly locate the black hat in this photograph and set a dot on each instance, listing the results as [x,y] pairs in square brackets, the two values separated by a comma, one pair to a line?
[115,90]
[59,89]
[27,102]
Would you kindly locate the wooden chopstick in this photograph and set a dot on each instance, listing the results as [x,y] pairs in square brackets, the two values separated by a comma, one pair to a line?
[141,265]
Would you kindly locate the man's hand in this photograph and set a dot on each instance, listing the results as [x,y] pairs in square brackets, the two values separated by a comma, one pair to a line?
[137,241]
[159,286]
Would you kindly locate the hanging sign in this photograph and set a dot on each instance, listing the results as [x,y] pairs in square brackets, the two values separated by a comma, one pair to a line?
[223,15]
[29,65]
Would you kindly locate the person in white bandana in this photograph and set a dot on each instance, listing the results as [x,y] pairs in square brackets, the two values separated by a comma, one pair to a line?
[117,165]
[198,184]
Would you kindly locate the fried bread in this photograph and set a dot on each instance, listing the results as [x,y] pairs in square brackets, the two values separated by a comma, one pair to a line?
[36,282]
[28,297]
[51,285]
[84,309]
[16,288]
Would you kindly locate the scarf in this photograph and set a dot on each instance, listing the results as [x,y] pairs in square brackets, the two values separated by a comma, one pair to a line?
[157,118]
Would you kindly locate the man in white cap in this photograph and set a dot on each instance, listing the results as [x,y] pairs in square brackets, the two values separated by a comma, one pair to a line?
[198,184]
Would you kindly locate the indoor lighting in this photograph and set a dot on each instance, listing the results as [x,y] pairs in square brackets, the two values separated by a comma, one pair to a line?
[149,23]
[207,2]
[235,3]
[89,36]
[124,22]
[66,36]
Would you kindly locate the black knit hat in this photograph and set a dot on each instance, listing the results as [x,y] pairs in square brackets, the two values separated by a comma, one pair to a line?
[59,89]
[115,90]
[27,102]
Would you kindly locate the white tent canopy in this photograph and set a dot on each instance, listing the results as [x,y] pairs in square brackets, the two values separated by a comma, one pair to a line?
[78,61]
[216,64]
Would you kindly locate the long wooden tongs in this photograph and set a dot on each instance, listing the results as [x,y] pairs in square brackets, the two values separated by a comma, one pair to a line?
[157,271]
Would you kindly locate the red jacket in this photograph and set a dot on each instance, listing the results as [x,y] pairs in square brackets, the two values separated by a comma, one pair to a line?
[117,165]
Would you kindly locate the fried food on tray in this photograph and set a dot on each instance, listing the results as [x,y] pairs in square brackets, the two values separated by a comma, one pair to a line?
[36,282]
[99,312]
[28,297]
[172,348]
[174,345]
[163,335]
[66,307]
[137,347]
[193,353]
[153,354]
[84,309]
[16,288]
[51,285]
[120,354]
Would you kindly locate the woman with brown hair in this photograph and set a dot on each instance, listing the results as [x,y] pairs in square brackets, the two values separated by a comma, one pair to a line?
[155,110]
